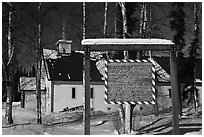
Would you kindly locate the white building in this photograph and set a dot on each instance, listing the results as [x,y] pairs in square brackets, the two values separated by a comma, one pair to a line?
[64,83]
[64,86]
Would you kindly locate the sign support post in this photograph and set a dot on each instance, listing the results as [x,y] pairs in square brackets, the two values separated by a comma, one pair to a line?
[174,93]
[128,120]
[129,44]
[86,115]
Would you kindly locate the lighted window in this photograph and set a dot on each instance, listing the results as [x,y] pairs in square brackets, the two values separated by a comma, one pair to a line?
[73,93]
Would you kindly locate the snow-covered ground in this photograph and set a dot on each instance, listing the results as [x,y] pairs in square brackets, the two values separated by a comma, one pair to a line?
[101,123]
[55,123]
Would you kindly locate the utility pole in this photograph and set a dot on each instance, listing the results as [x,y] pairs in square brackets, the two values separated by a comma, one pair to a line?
[38,64]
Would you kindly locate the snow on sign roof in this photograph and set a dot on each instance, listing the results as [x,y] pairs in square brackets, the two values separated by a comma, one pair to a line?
[112,41]
[104,44]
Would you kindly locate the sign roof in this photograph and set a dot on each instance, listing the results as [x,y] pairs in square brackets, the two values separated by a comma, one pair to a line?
[135,41]
[105,44]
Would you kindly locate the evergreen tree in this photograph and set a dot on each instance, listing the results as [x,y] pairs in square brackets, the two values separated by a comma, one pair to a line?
[131,24]
[24,72]
[178,25]
[33,71]
[191,91]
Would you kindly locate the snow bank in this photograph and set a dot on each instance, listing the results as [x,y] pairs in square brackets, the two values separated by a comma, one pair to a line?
[194,133]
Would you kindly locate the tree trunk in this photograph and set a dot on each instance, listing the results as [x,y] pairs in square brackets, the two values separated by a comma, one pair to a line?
[9,69]
[142,27]
[84,21]
[105,19]
[38,64]
[105,25]
[128,119]
[118,29]
[194,56]
[9,99]
[123,10]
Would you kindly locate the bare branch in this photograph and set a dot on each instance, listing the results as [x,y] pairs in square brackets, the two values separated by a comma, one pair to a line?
[11,56]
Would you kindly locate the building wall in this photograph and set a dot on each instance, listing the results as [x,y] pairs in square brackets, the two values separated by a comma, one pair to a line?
[63,97]
[31,101]
[164,99]
[200,95]
[48,96]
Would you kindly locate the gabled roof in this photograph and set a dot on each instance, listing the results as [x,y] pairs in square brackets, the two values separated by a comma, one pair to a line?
[165,64]
[29,84]
[49,54]
[70,68]
[161,74]
[59,68]
[162,67]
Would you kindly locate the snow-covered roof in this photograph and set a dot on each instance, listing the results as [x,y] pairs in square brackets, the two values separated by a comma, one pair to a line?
[61,40]
[198,81]
[129,41]
[50,54]
[70,68]
[162,75]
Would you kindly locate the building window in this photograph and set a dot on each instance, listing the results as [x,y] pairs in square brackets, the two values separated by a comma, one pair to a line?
[169,93]
[92,92]
[73,93]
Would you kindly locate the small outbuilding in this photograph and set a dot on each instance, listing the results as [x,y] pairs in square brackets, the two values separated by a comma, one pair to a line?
[27,87]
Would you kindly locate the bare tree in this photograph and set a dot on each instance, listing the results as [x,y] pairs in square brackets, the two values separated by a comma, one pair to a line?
[119,32]
[128,120]
[9,68]
[33,38]
[38,71]
[105,19]
[84,21]
[192,57]
[196,10]
[143,25]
